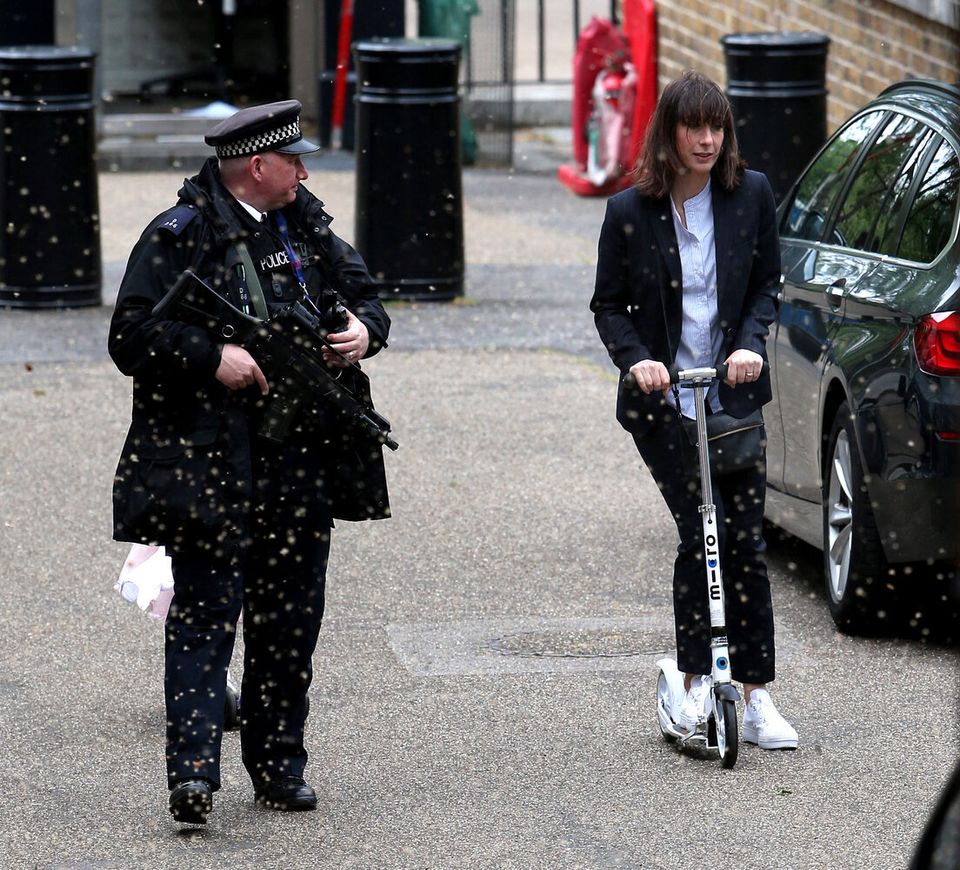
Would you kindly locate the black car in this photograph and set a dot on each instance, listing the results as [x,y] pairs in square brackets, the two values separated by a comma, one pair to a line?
[864,430]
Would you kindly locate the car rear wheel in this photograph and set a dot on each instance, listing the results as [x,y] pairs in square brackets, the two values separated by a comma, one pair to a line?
[859,591]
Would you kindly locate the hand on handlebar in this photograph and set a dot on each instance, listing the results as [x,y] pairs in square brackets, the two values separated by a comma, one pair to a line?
[650,376]
[743,367]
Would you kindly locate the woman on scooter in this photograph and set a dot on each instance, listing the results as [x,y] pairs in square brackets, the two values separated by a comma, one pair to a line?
[688,272]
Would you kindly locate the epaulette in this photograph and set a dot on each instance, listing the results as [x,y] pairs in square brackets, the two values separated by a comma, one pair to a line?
[177,219]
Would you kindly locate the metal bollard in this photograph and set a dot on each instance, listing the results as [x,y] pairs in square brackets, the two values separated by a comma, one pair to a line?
[409,215]
[776,83]
[49,221]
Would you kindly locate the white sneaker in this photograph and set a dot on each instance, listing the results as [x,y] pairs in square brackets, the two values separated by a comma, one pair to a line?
[693,708]
[763,724]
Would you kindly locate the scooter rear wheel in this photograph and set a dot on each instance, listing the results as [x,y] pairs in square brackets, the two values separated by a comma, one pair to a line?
[663,704]
[231,710]
[728,740]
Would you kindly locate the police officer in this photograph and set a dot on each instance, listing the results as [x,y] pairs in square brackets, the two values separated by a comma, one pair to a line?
[246,520]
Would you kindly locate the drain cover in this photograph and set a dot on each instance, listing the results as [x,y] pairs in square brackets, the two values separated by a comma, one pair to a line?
[576,643]
[540,645]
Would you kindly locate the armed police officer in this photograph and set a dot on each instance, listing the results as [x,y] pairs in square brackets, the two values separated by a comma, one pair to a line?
[246,519]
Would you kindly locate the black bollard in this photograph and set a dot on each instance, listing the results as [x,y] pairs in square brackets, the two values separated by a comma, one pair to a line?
[409,215]
[49,221]
[776,83]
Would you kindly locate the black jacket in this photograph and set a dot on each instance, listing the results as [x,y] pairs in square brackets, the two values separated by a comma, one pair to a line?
[184,477]
[638,299]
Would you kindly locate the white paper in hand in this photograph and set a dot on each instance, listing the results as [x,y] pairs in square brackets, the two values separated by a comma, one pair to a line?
[146,579]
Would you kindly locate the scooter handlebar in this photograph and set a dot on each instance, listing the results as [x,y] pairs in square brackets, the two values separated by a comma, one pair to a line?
[706,374]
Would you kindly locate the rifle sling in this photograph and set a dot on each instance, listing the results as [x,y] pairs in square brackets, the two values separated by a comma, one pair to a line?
[253,282]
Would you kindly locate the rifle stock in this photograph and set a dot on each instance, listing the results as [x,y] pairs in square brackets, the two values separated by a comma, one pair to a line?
[191,300]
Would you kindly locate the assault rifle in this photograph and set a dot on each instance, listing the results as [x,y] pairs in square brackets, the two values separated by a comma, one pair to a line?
[288,348]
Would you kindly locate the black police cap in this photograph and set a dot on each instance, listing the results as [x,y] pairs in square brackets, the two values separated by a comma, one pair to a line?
[270,127]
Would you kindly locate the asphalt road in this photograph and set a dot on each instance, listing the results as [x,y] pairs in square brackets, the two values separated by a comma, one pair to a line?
[484,690]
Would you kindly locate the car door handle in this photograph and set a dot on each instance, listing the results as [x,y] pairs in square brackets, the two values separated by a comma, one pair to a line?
[833,291]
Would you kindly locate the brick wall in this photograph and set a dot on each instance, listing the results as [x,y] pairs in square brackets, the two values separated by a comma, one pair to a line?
[873,43]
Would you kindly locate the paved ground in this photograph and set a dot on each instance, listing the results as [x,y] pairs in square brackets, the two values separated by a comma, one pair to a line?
[485,677]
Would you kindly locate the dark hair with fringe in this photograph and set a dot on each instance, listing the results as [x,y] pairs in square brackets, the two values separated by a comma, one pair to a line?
[692,100]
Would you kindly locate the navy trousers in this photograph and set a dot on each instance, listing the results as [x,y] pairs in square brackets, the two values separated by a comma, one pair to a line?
[739,501]
[276,579]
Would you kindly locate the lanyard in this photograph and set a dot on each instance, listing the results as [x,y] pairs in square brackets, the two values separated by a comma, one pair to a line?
[293,258]
[292,255]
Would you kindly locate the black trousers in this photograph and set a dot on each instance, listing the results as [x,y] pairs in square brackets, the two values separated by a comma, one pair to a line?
[739,501]
[276,579]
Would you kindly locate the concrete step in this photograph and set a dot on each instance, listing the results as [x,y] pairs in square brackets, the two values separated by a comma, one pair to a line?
[128,154]
[144,141]
[535,104]
[148,124]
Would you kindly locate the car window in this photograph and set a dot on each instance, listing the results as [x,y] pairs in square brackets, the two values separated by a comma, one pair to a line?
[866,195]
[930,221]
[806,216]
[886,230]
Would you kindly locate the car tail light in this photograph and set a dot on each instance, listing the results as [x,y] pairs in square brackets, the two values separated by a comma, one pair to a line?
[937,343]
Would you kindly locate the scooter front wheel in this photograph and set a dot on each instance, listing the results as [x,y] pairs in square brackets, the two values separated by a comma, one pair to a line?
[725,712]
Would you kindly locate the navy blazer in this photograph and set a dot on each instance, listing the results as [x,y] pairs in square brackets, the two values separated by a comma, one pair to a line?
[638,299]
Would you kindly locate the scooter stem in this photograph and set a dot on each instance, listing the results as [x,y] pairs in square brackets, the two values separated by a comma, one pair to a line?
[719,651]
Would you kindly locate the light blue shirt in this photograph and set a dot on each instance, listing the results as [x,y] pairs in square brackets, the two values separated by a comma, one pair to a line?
[700,339]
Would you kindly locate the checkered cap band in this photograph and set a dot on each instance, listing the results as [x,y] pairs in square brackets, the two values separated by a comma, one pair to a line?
[268,140]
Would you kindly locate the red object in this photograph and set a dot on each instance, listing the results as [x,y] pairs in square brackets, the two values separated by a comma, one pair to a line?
[936,340]
[338,110]
[600,43]
[640,28]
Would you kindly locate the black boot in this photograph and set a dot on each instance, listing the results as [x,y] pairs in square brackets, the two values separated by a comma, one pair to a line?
[191,801]
[289,793]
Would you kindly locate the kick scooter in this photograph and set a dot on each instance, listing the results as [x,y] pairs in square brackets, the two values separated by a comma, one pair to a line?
[720,730]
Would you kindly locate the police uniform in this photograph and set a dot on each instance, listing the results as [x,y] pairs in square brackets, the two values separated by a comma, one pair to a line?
[246,521]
